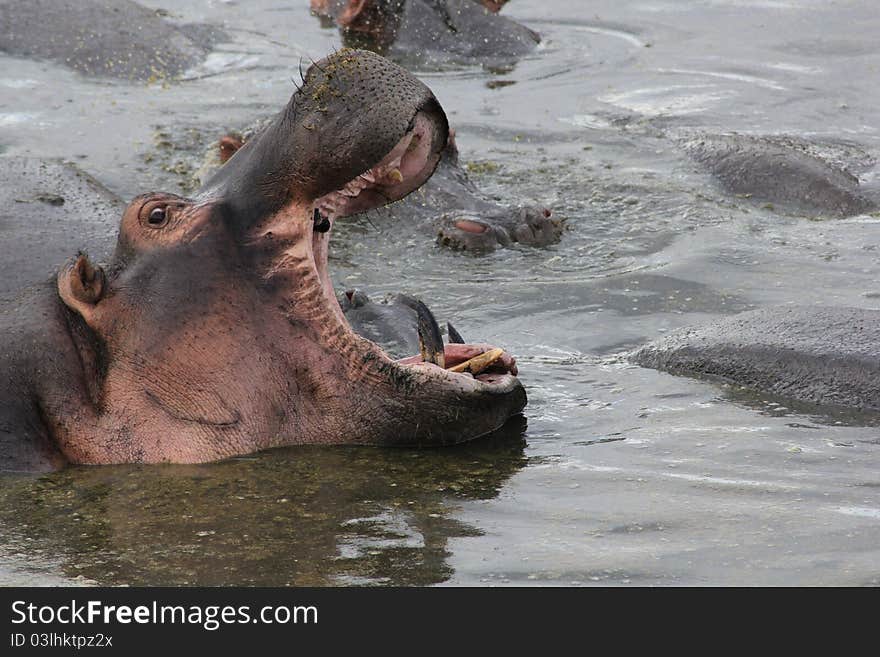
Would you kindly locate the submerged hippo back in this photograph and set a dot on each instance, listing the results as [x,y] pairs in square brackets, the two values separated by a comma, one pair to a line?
[827,356]
[48,210]
[779,172]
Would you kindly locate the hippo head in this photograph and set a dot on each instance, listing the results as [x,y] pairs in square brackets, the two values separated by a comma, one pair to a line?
[420,30]
[215,331]
[494,227]
[486,225]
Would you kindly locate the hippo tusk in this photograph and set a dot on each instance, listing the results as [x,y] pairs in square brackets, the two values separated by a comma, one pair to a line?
[478,364]
[430,341]
[454,335]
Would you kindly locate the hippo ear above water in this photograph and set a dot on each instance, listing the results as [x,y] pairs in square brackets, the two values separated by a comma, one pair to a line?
[371,17]
[354,14]
[81,286]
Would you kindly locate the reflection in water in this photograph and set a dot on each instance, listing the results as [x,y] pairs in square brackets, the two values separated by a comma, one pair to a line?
[774,406]
[297,516]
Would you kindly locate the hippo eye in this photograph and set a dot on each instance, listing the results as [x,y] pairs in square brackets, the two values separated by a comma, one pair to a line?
[157,216]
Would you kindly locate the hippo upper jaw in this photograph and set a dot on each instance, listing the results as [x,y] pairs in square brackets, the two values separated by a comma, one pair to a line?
[405,168]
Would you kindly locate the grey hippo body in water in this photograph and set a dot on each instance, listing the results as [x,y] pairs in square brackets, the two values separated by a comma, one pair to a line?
[141,360]
[430,32]
[792,175]
[827,356]
[103,38]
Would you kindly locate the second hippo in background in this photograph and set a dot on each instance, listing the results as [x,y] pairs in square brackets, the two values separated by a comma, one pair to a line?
[785,173]
[448,206]
[430,32]
[827,356]
[454,210]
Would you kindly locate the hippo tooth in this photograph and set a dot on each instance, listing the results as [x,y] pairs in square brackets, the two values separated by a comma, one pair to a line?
[355,187]
[430,340]
[395,175]
[479,363]
[454,335]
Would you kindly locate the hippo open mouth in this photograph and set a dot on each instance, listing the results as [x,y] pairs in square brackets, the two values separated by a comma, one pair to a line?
[404,169]
[474,383]
[465,367]
[214,331]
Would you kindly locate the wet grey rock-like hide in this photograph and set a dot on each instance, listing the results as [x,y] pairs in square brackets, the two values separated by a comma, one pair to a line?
[827,356]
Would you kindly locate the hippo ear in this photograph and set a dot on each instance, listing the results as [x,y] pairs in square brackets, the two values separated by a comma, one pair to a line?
[355,13]
[81,286]
[229,145]
[494,5]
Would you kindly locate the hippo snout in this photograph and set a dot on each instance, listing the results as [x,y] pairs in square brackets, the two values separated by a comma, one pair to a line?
[537,227]
[529,225]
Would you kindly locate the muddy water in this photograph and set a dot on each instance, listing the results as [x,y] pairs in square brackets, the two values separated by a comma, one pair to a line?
[617,474]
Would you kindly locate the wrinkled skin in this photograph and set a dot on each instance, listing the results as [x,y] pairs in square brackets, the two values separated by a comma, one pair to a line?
[430,31]
[825,356]
[107,38]
[213,330]
[448,207]
[783,173]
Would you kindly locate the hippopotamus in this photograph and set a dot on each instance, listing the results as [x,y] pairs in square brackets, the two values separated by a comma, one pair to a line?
[786,173]
[452,208]
[828,356]
[430,31]
[213,330]
[448,207]
[118,39]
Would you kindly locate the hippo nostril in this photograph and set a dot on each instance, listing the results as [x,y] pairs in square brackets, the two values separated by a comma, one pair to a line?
[469,226]
[548,213]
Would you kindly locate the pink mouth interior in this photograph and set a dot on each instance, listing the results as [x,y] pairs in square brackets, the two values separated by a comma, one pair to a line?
[404,169]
